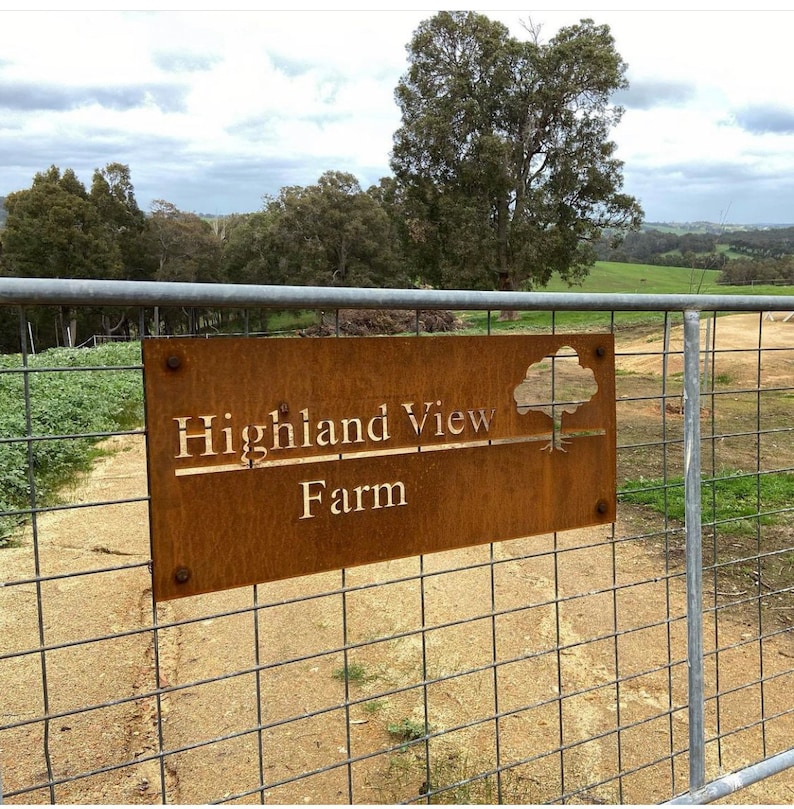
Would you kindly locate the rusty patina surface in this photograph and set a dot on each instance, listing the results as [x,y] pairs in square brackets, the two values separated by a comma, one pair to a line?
[272,458]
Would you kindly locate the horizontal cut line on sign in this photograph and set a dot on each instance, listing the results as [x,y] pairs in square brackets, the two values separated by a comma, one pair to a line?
[346,456]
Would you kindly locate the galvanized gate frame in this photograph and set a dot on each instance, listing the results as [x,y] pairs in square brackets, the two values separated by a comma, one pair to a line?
[23,292]
[699,790]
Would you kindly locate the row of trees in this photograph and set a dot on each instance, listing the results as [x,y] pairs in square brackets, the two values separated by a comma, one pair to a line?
[745,271]
[664,249]
[770,247]
[503,173]
[59,229]
[772,243]
[328,233]
[332,232]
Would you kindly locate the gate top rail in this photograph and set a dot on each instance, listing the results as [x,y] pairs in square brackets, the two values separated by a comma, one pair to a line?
[62,291]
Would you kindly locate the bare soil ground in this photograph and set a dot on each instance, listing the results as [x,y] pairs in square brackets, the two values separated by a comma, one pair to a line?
[223,641]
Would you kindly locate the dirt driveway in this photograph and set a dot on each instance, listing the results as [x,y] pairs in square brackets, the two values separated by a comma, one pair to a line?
[612,613]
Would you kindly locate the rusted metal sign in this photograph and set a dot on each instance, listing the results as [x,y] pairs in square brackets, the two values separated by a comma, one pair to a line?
[271,458]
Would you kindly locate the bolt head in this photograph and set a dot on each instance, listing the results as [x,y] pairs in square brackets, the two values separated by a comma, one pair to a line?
[181,575]
[173,362]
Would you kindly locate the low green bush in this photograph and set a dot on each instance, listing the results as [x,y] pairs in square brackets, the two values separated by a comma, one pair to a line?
[98,399]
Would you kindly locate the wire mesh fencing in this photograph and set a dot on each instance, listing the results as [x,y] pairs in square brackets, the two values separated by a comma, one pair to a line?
[632,663]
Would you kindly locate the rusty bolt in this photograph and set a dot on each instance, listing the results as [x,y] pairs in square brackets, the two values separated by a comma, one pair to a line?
[600,351]
[181,575]
[602,507]
[173,362]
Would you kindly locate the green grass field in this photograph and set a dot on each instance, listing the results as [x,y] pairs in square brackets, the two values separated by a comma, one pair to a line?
[619,278]
[609,276]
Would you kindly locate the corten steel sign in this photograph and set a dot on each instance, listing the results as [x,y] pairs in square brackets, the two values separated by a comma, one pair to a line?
[271,458]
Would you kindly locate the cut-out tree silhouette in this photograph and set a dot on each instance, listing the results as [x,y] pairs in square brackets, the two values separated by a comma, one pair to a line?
[556,385]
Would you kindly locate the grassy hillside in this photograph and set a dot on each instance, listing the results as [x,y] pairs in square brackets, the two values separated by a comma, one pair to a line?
[622,278]
[609,276]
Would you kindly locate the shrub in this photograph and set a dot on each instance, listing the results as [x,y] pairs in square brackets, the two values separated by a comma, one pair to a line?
[62,403]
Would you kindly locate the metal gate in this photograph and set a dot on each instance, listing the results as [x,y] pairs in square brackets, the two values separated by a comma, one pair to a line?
[641,662]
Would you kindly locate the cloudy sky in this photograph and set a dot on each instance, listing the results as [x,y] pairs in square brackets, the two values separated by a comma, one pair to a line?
[214,110]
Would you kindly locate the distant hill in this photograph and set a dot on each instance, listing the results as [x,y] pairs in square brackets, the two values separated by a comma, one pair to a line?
[680,228]
[703,245]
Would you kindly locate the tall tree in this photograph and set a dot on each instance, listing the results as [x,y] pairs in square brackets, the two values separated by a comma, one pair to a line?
[503,155]
[113,195]
[182,246]
[54,230]
[332,233]
[247,253]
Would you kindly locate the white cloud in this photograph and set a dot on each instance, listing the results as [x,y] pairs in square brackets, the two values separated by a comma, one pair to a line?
[202,95]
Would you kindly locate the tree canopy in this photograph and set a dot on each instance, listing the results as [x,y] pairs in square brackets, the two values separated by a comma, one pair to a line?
[113,195]
[53,230]
[503,156]
[181,246]
[333,234]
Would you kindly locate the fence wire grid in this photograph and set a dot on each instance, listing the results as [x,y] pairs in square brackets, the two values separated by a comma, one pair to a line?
[641,662]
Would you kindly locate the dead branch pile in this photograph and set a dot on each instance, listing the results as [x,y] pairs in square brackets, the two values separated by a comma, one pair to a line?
[364,322]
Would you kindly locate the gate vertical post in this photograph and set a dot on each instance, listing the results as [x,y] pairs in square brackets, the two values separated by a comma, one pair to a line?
[694,557]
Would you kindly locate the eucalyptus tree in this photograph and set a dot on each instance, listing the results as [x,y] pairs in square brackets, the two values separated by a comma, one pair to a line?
[54,230]
[182,245]
[331,233]
[247,254]
[113,195]
[503,155]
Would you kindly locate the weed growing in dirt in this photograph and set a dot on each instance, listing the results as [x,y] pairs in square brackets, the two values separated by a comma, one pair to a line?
[458,782]
[353,673]
[451,777]
[374,706]
[63,403]
[406,730]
